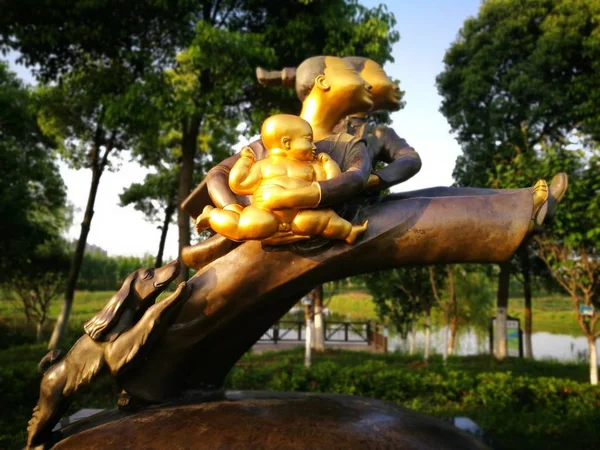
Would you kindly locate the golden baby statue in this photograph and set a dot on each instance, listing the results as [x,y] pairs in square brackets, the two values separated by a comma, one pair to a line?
[291,164]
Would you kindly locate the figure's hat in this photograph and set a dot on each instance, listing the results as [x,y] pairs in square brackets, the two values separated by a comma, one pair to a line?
[285,77]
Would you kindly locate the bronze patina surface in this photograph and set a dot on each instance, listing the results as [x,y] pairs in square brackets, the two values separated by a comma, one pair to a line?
[260,420]
[383,144]
[237,297]
[116,336]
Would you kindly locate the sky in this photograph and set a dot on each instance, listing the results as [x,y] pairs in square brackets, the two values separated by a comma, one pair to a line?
[427,28]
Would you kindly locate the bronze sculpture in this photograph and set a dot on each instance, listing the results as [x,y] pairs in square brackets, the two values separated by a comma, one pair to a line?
[240,289]
[408,231]
[115,336]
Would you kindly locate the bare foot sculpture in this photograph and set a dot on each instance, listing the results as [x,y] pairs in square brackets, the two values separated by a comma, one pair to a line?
[115,337]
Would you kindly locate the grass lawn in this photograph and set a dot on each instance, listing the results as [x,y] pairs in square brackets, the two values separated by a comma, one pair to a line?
[355,305]
[550,314]
[85,305]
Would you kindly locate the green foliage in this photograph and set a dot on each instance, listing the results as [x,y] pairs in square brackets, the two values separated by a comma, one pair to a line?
[19,388]
[93,112]
[242,35]
[61,35]
[475,296]
[401,295]
[519,403]
[32,193]
[154,195]
[519,83]
[41,280]
[570,248]
[106,273]
[521,66]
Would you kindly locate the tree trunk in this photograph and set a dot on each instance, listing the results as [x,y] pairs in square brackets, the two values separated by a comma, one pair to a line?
[526,271]
[502,310]
[446,345]
[65,312]
[453,331]
[169,210]
[593,361]
[452,326]
[413,339]
[308,336]
[190,130]
[38,332]
[427,334]
[319,336]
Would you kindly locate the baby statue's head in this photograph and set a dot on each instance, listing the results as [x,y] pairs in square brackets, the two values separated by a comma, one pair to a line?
[287,135]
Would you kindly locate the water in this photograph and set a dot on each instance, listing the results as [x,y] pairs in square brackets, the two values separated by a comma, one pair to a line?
[561,347]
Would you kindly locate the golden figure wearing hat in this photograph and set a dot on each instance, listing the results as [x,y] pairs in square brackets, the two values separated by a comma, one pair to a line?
[291,164]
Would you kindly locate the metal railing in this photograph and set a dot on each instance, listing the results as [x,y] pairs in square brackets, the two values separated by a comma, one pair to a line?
[294,331]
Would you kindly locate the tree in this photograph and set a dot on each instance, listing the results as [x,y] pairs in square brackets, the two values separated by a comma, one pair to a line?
[449,304]
[100,272]
[502,100]
[113,83]
[36,284]
[102,52]
[32,193]
[90,115]
[318,341]
[156,197]
[58,37]
[401,296]
[570,248]
[464,295]
[529,269]
[531,64]
[32,205]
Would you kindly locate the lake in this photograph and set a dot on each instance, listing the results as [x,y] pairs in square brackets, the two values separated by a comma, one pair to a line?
[560,347]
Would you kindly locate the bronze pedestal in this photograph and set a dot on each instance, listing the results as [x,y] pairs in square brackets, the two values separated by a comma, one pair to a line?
[263,420]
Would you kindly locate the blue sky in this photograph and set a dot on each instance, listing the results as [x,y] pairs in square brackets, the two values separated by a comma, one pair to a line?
[427,28]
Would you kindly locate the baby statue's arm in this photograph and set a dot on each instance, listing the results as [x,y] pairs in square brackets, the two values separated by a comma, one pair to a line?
[330,167]
[245,175]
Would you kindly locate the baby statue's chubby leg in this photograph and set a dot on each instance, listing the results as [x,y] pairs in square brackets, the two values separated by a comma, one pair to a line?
[326,223]
[203,220]
[250,223]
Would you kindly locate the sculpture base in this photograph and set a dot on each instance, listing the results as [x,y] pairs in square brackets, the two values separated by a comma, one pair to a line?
[264,420]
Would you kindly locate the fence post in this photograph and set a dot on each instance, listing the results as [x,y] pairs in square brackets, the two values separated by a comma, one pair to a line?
[346,331]
[276,332]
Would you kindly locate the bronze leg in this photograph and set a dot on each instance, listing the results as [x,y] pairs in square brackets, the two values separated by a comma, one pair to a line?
[58,385]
